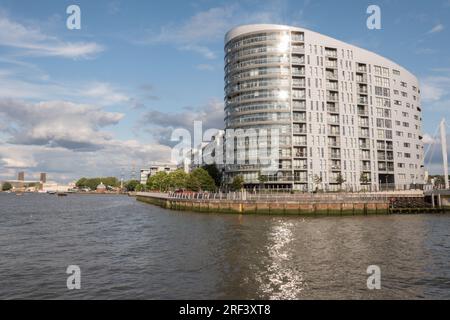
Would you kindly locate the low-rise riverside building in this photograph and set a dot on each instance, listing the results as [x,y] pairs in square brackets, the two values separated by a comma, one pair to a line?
[154,169]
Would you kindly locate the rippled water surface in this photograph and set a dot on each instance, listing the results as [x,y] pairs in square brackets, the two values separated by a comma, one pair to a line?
[131,250]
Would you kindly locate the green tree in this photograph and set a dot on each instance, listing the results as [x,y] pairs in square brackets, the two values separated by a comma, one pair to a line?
[340,180]
[132,185]
[262,180]
[206,181]
[160,181]
[192,183]
[237,184]
[6,186]
[178,179]
[140,188]
[317,181]
[364,179]
[215,173]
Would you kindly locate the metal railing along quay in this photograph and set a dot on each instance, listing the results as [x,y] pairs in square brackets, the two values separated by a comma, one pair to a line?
[381,197]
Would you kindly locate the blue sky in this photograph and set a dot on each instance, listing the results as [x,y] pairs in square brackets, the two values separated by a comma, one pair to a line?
[100,100]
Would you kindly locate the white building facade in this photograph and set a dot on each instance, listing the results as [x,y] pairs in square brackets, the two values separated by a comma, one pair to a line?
[348,118]
[154,169]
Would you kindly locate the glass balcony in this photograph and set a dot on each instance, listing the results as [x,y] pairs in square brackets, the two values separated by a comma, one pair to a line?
[298,83]
[298,38]
[334,142]
[332,75]
[298,49]
[299,106]
[364,146]
[362,69]
[363,122]
[360,79]
[333,108]
[333,120]
[363,112]
[365,155]
[364,134]
[298,60]
[298,72]
[363,100]
[331,53]
[362,90]
[299,118]
[334,98]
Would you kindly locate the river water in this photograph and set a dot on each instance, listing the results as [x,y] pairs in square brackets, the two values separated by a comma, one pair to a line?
[131,250]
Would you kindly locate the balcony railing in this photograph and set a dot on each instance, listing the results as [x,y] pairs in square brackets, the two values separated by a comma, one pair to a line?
[335,155]
[300,143]
[362,90]
[333,87]
[363,123]
[333,120]
[363,112]
[334,133]
[300,155]
[364,134]
[300,61]
[331,65]
[297,72]
[330,75]
[333,98]
[298,38]
[331,54]
[364,156]
[298,83]
[299,119]
[363,101]
[362,69]
[299,106]
[334,144]
[298,49]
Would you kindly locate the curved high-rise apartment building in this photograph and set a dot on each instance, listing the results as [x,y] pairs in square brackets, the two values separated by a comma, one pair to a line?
[348,118]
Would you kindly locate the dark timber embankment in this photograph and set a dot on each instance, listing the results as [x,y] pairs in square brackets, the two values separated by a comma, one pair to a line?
[338,204]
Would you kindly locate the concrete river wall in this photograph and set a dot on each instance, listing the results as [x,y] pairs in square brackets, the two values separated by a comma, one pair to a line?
[332,205]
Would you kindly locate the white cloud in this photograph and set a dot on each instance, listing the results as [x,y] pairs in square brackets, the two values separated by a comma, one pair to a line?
[428,139]
[205,27]
[56,124]
[202,50]
[68,141]
[32,41]
[161,124]
[105,93]
[434,88]
[66,165]
[437,28]
[33,84]
[205,67]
